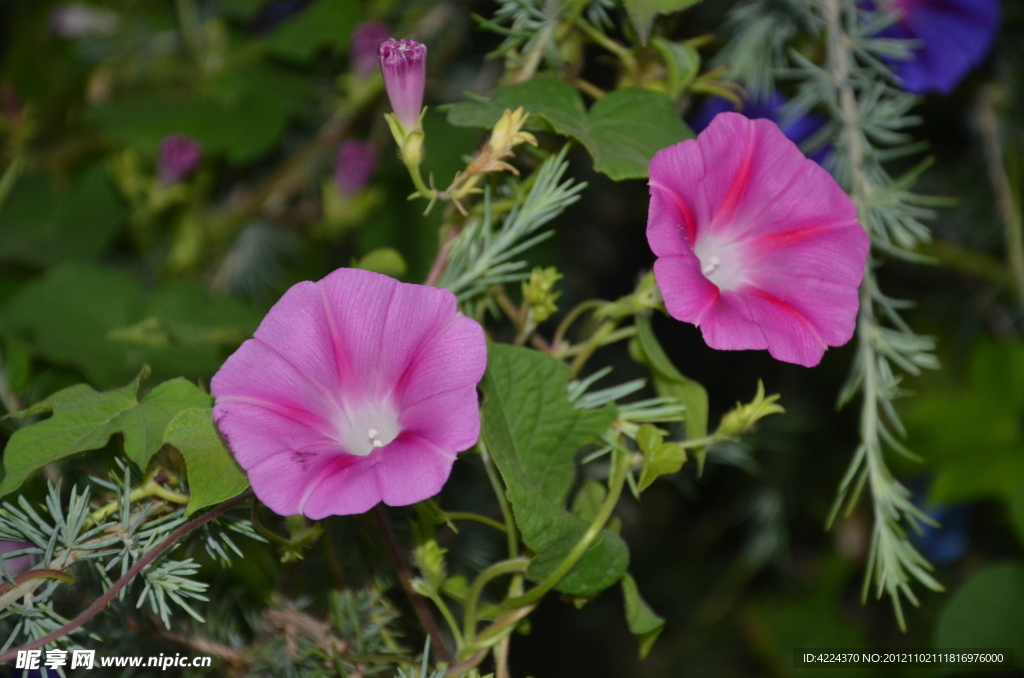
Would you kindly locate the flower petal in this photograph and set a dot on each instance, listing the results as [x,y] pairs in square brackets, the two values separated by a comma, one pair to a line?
[412,469]
[379,325]
[688,294]
[343,490]
[728,325]
[454,358]
[450,420]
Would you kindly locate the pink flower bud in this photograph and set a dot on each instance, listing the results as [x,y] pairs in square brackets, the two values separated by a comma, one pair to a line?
[179,156]
[366,38]
[354,166]
[404,63]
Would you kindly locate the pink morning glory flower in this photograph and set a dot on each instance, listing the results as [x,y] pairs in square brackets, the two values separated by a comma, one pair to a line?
[756,245]
[354,390]
[404,64]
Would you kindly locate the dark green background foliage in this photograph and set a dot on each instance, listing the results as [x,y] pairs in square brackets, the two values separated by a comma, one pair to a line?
[98,278]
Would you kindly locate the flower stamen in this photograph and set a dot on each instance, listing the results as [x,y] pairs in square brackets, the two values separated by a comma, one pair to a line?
[709,268]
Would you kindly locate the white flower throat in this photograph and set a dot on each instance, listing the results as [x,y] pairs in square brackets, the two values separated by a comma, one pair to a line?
[363,429]
[721,262]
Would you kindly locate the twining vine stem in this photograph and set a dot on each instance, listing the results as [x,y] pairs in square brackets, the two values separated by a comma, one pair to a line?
[100,603]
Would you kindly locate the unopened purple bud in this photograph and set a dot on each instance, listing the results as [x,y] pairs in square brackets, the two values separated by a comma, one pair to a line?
[355,165]
[404,63]
[78,20]
[366,38]
[179,155]
[17,564]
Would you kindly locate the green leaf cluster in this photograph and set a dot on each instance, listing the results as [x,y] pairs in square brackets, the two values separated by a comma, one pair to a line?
[102,322]
[82,419]
[671,383]
[622,131]
[533,432]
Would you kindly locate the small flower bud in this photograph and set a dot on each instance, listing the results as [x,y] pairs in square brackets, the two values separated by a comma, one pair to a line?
[179,156]
[78,20]
[743,417]
[366,39]
[354,166]
[404,64]
[539,294]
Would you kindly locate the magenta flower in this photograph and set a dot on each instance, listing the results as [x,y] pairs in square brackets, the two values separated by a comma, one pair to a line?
[404,64]
[354,166]
[366,38]
[954,36]
[354,390]
[17,564]
[756,245]
[179,155]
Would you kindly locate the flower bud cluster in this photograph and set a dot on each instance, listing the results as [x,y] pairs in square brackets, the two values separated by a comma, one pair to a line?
[539,295]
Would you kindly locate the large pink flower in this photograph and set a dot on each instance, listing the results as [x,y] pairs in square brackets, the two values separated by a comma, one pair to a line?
[354,390]
[756,244]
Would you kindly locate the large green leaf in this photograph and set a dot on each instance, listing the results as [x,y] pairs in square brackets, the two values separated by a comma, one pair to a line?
[84,419]
[551,100]
[642,12]
[533,432]
[100,321]
[644,623]
[144,425]
[970,433]
[622,131]
[986,612]
[44,223]
[213,474]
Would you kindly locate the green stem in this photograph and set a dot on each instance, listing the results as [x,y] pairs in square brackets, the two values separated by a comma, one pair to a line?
[511,532]
[616,480]
[571,317]
[462,515]
[417,180]
[150,488]
[622,52]
[482,579]
[611,338]
[596,341]
[453,625]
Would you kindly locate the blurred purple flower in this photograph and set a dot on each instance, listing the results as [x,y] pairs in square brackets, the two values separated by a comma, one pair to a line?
[17,564]
[404,64]
[179,156]
[366,38]
[956,36]
[78,20]
[354,166]
[770,108]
